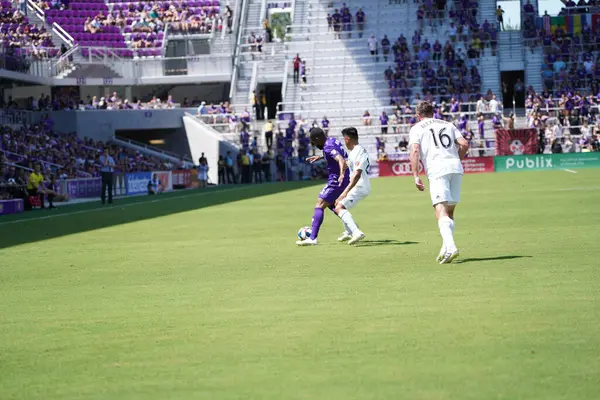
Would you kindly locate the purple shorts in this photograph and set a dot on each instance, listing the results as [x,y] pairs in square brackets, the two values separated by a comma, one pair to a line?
[332,191]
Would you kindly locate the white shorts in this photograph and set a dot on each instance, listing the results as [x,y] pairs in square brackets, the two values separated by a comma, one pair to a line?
[445,189]
[354,197]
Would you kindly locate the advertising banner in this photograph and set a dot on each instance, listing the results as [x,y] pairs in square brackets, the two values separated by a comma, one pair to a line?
[515,142]
[397,167]
[119,184]
[538,162]
[400,166]
[166,180]
[474,165]
[13,206]
[137,182]
[181,178]
[81,188]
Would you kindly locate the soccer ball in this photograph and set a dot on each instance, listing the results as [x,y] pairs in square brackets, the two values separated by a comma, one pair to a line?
[304,233]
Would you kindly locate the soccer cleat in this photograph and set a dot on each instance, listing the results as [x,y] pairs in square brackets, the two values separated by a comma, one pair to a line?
[344,237]
[440,256]
[449,257]
[307,242]
[357,237]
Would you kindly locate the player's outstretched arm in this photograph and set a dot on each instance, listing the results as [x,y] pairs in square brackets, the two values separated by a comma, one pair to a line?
[415,157]
[314,159]
[463,147]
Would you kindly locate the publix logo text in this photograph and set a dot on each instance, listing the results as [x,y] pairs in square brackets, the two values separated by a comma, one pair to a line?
[538,162]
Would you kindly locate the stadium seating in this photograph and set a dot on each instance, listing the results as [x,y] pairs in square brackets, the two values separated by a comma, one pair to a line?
[133,28]
[22,37]
[67,156]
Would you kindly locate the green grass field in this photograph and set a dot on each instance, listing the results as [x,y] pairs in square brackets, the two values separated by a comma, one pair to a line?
[204,295]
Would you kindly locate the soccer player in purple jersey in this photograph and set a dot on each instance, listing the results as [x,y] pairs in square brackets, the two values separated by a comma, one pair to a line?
[339,177]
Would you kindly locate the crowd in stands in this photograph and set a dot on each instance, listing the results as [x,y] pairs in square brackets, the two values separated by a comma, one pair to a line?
[20,40]
[67,156]
[567,122]
[580,7]
[443,70]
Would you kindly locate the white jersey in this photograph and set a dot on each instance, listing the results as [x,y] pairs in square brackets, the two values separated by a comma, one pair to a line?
[359,159]
[437,141]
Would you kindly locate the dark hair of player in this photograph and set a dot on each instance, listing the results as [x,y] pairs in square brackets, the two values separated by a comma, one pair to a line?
[425,109]
[316,133]
[351,133]
[318,138]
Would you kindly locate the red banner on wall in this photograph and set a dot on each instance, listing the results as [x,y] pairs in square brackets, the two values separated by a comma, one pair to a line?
[514,142]
[474,165]
[182,178]
[402,167]
[397,167]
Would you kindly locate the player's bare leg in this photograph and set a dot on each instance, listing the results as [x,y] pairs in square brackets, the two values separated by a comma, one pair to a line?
[317,221]
[446,225]
[356,234]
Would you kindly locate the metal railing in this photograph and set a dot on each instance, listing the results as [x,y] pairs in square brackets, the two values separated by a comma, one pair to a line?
[64,35]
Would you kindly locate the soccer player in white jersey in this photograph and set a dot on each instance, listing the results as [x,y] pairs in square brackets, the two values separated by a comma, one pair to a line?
[440,145]
[358,188]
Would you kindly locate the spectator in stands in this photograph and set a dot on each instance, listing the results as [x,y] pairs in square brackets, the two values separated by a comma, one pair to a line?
[500,17]
[303,73]
[367,120]
[337,23]
[383,119]
[268,129]
[296,64]
[347,21]
[229,18]
[360,22]
[373,47]
[385,47]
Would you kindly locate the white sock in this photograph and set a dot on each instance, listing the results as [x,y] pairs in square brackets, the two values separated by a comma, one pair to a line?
[445,224]
[346,228]
[348,221]
[451,225]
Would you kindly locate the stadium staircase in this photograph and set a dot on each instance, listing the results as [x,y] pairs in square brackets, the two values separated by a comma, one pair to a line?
[533,74]
[251,17]
[490,71]
[510,51]
[533,59]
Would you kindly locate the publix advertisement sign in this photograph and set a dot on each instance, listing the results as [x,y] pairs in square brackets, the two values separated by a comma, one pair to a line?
[546,161]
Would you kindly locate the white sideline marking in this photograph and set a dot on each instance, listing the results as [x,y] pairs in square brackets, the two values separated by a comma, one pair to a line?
[570,170]
[116,207]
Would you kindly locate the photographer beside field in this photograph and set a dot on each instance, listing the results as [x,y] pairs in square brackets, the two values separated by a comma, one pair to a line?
[155,186]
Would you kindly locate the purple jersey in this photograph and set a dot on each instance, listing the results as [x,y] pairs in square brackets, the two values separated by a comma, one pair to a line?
[332,148]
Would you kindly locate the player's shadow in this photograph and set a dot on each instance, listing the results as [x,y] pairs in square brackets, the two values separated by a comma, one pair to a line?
[497,258]
[387,242]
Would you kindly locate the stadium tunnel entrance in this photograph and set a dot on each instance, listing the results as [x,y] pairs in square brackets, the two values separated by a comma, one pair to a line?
[513,87]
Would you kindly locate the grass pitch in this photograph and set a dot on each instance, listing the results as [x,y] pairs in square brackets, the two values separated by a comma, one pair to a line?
[200,296]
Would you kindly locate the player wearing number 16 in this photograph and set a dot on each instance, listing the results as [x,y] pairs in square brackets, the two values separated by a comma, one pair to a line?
[440,146]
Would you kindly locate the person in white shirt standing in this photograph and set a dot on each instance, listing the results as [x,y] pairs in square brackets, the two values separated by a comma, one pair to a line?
[494,105]
[440,145]
[358,188]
